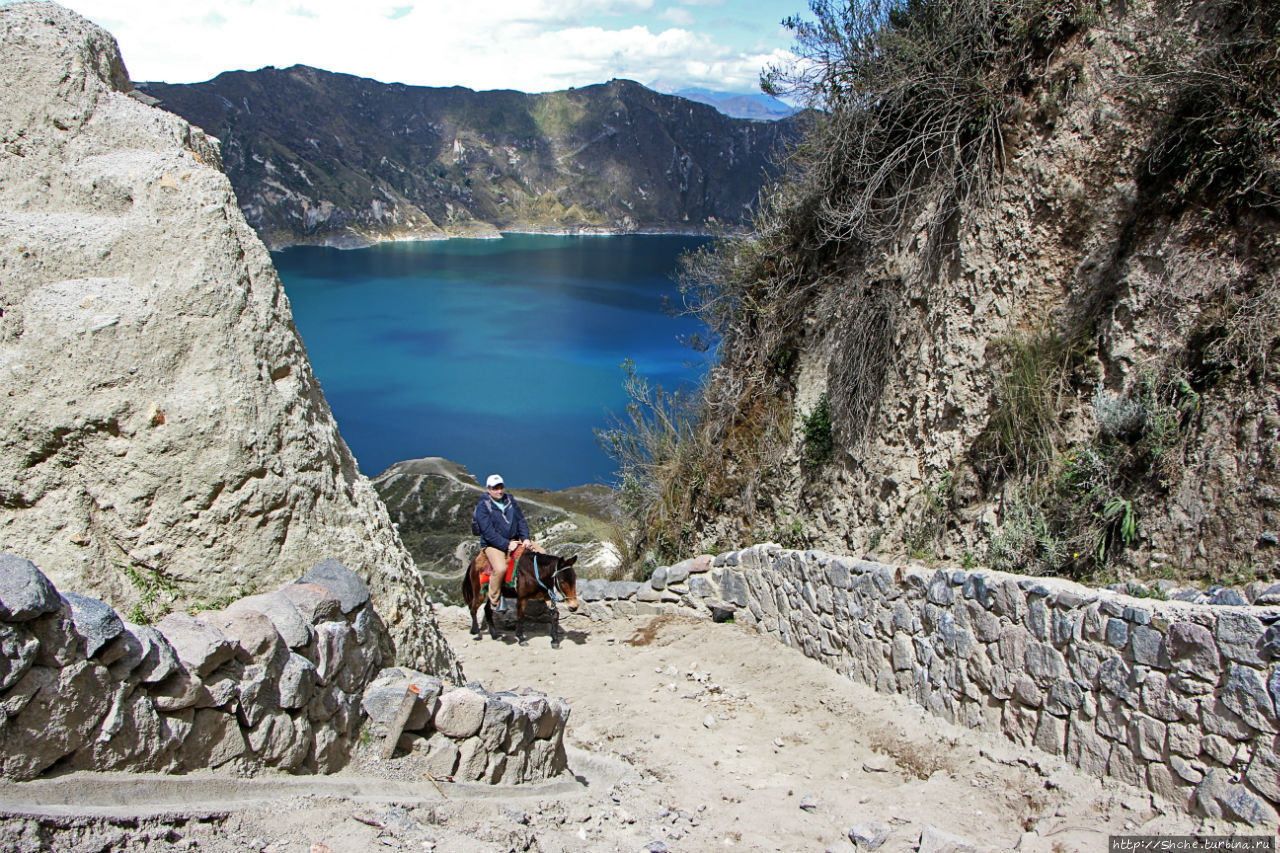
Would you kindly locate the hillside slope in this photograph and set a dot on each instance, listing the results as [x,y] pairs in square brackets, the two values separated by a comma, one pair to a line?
[324,158]
[431,502]
[1041,337]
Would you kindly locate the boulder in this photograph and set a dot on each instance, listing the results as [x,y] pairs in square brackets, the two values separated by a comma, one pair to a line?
[679,573]
[495,727]
[214,740]
[1217,797]
[868,836]
[95,621]
[460,713]
[180,691]
[134,737]
[159,660]
[297,682]
[25,592]
[934,840]
[259,691]
[658,580]
[56,634]
[381,699]
[59,712]
[442,756]
[200,646]
[289,623]
[314,602]
[592,589]
[254,634]
[345,584]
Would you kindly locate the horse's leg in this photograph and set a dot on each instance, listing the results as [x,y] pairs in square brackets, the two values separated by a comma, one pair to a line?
[520,622]
[556,634]
[473,602]
[488,617]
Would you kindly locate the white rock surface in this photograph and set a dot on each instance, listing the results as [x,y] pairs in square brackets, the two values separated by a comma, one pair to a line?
[161,430]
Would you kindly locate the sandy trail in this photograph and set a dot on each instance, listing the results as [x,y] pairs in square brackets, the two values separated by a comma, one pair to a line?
[684,736]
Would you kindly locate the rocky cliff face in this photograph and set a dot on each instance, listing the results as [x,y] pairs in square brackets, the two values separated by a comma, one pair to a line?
[1070,375]
[324,158]
[163,441]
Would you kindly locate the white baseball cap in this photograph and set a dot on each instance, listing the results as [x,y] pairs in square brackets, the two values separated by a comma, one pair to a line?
[494,480]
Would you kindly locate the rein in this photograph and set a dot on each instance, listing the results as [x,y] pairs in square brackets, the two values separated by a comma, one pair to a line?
[552,593]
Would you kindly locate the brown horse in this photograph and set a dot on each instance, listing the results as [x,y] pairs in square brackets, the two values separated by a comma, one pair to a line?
[543,576]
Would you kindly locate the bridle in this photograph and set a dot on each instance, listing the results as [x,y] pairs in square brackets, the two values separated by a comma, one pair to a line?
[553,591]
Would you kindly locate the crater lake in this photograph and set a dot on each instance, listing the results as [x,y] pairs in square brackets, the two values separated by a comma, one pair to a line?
[502,355]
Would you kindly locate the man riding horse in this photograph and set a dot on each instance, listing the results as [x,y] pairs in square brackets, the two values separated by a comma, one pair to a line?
[502,530]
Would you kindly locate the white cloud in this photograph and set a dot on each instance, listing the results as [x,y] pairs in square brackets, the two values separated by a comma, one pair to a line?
[531,45]
[679,17]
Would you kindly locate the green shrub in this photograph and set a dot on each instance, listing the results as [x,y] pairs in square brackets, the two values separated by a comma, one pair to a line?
[818,441]
[1033,376]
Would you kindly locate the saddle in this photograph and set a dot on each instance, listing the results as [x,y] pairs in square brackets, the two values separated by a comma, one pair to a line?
[512,560]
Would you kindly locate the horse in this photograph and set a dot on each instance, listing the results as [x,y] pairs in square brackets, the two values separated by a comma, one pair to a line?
[541,576]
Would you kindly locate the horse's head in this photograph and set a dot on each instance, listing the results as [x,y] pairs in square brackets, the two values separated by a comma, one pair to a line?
[566,580]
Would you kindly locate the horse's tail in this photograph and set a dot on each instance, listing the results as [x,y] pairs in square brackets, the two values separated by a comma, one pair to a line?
[466,583]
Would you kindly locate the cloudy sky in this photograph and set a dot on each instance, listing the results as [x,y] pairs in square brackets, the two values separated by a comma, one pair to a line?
[530,45]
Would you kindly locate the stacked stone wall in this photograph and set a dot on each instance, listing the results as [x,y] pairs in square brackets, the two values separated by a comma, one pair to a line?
[1175,697]
[284,680]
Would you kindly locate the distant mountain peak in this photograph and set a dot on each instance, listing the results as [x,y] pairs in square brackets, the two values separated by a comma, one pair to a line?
[749,105]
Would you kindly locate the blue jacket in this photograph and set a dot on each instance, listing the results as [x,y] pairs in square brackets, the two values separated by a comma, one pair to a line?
[497,529]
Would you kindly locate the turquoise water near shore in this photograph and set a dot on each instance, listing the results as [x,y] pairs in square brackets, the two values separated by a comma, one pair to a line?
[499,354]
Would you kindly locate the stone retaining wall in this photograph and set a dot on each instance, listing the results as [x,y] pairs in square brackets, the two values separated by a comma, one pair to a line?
[1176,697]
[469,734]
[283,680]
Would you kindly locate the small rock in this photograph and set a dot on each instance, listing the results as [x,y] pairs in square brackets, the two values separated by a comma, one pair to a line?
[808,803]
[709,721]
[868,836]
[934,840]
[1228,597]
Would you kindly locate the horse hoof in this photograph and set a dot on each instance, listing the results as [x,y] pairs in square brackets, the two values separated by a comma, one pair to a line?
[523,641]
[555,644]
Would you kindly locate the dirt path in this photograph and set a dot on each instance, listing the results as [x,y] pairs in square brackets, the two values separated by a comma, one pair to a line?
[684,736]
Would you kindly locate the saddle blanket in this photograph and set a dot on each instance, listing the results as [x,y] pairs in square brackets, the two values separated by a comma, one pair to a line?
[510,579]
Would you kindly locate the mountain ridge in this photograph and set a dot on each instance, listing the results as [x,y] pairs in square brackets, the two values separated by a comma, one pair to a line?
[323,158]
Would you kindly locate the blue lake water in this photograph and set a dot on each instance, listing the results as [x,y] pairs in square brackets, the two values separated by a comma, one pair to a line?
[498,354]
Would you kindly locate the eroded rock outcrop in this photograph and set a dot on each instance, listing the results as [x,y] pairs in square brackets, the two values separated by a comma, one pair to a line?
[162,436]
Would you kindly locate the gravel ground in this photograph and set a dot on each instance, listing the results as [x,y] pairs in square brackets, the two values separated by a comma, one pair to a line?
[684,736]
